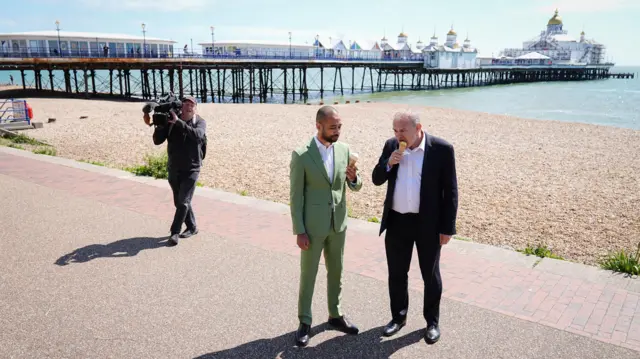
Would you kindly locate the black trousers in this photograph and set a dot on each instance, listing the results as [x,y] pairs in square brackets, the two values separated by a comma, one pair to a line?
[402,233]
[183,184]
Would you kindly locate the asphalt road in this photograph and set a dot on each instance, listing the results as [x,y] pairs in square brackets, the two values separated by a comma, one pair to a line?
[79,278]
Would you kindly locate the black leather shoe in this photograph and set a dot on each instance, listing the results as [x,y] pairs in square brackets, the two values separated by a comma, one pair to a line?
[342,324]
[174,239]
[188,233]
[393,327]
[302,335]
[432,334]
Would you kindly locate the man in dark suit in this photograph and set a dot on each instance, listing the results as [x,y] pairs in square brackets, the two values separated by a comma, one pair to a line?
[420,207]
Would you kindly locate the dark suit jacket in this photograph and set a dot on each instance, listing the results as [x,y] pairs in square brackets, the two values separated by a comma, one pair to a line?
[438,187]
[185,143]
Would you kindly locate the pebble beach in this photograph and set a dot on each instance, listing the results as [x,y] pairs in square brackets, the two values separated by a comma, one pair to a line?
[572,187]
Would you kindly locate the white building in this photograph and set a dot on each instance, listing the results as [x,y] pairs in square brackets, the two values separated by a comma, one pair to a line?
[399,50]
[450,55]
[257,48]
[365,49]
[560,47]
[85,44]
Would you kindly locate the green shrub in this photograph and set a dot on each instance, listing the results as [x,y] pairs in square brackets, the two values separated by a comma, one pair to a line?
[540,251]
[49,151]
[155,166]
[623,262]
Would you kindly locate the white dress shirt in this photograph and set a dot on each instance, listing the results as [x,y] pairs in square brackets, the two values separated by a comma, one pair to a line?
[406,195]
[327,157]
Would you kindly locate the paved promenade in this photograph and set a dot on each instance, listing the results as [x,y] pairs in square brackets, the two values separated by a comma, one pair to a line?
[85,272]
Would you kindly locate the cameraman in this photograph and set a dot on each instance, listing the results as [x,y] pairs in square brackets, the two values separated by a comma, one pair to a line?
[185,137]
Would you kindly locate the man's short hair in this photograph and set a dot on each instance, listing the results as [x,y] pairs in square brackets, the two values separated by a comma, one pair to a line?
[324,112]
[413,117]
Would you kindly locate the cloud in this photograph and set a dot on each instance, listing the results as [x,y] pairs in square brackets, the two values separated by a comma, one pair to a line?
[586,6]
[155,5]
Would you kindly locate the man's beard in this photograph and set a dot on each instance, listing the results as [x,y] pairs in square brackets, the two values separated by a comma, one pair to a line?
[330,139]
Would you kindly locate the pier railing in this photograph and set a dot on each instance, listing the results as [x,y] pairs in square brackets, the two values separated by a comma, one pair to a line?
[38,52]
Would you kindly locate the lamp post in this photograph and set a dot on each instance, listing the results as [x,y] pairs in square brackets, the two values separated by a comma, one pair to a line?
[144,40]
[212,41]
[290,44]
[317,45]
[58,30]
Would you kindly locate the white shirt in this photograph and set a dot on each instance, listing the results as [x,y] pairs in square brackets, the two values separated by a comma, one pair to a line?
[406,195]
[327,157]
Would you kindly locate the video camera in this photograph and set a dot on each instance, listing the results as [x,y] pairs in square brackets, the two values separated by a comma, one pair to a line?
[161,109]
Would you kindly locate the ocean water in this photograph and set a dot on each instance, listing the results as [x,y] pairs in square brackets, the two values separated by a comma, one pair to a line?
[609,102]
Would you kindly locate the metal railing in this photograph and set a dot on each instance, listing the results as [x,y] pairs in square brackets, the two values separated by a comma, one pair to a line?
[14,111]
[359,55]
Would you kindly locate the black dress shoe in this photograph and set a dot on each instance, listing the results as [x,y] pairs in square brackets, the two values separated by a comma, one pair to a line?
[174,239]
[342,324]
[302,335]
[393,327]
[432,334]
[188,233]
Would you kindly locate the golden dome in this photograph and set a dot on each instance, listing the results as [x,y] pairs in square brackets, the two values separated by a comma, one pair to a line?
[582,33]
[402,34]
[556,19]
[451,32]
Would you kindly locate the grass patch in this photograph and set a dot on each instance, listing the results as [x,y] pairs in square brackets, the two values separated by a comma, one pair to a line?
[463,238]
[26,140]
[540,251]
[244,192]
[96,163]
[623,262]
[49,151]
[16,146]
[199,184]
[155,166]
[373,220]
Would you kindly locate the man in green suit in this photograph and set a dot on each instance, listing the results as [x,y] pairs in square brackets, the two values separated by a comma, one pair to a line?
[320,173]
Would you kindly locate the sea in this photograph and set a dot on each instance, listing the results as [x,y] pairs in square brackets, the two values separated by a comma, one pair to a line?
[608,102]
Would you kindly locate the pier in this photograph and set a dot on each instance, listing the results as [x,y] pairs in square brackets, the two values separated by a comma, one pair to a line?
[628,75]
[242,80]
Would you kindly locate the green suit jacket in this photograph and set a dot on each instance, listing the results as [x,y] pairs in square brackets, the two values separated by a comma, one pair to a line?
[315,200]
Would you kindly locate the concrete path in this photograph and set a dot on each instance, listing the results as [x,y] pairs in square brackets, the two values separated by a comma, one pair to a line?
[85,272]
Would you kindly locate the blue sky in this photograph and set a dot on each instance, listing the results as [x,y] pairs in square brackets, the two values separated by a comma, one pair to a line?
[491,24]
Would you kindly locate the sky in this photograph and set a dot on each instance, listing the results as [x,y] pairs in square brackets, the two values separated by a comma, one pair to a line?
[490,24]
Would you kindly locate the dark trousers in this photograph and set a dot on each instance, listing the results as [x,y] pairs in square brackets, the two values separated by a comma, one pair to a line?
[183,184]
[402,232]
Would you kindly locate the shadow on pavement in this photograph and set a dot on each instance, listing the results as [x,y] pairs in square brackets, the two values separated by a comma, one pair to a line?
[367,344]
[123,248]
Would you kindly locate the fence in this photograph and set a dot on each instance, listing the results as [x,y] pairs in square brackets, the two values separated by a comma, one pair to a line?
[313,54]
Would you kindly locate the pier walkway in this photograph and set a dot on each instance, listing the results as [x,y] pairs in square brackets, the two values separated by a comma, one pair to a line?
[85,272]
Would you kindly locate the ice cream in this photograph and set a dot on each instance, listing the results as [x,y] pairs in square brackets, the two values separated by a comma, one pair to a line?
[403,146]
[353,158]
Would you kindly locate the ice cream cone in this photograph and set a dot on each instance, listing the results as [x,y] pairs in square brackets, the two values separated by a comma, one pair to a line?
[403,146]
[353,158]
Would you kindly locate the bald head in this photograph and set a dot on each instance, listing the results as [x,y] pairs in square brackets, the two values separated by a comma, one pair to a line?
[324,113]
[328,123]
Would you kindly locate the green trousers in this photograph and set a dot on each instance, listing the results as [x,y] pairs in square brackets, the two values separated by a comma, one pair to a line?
[333,247]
